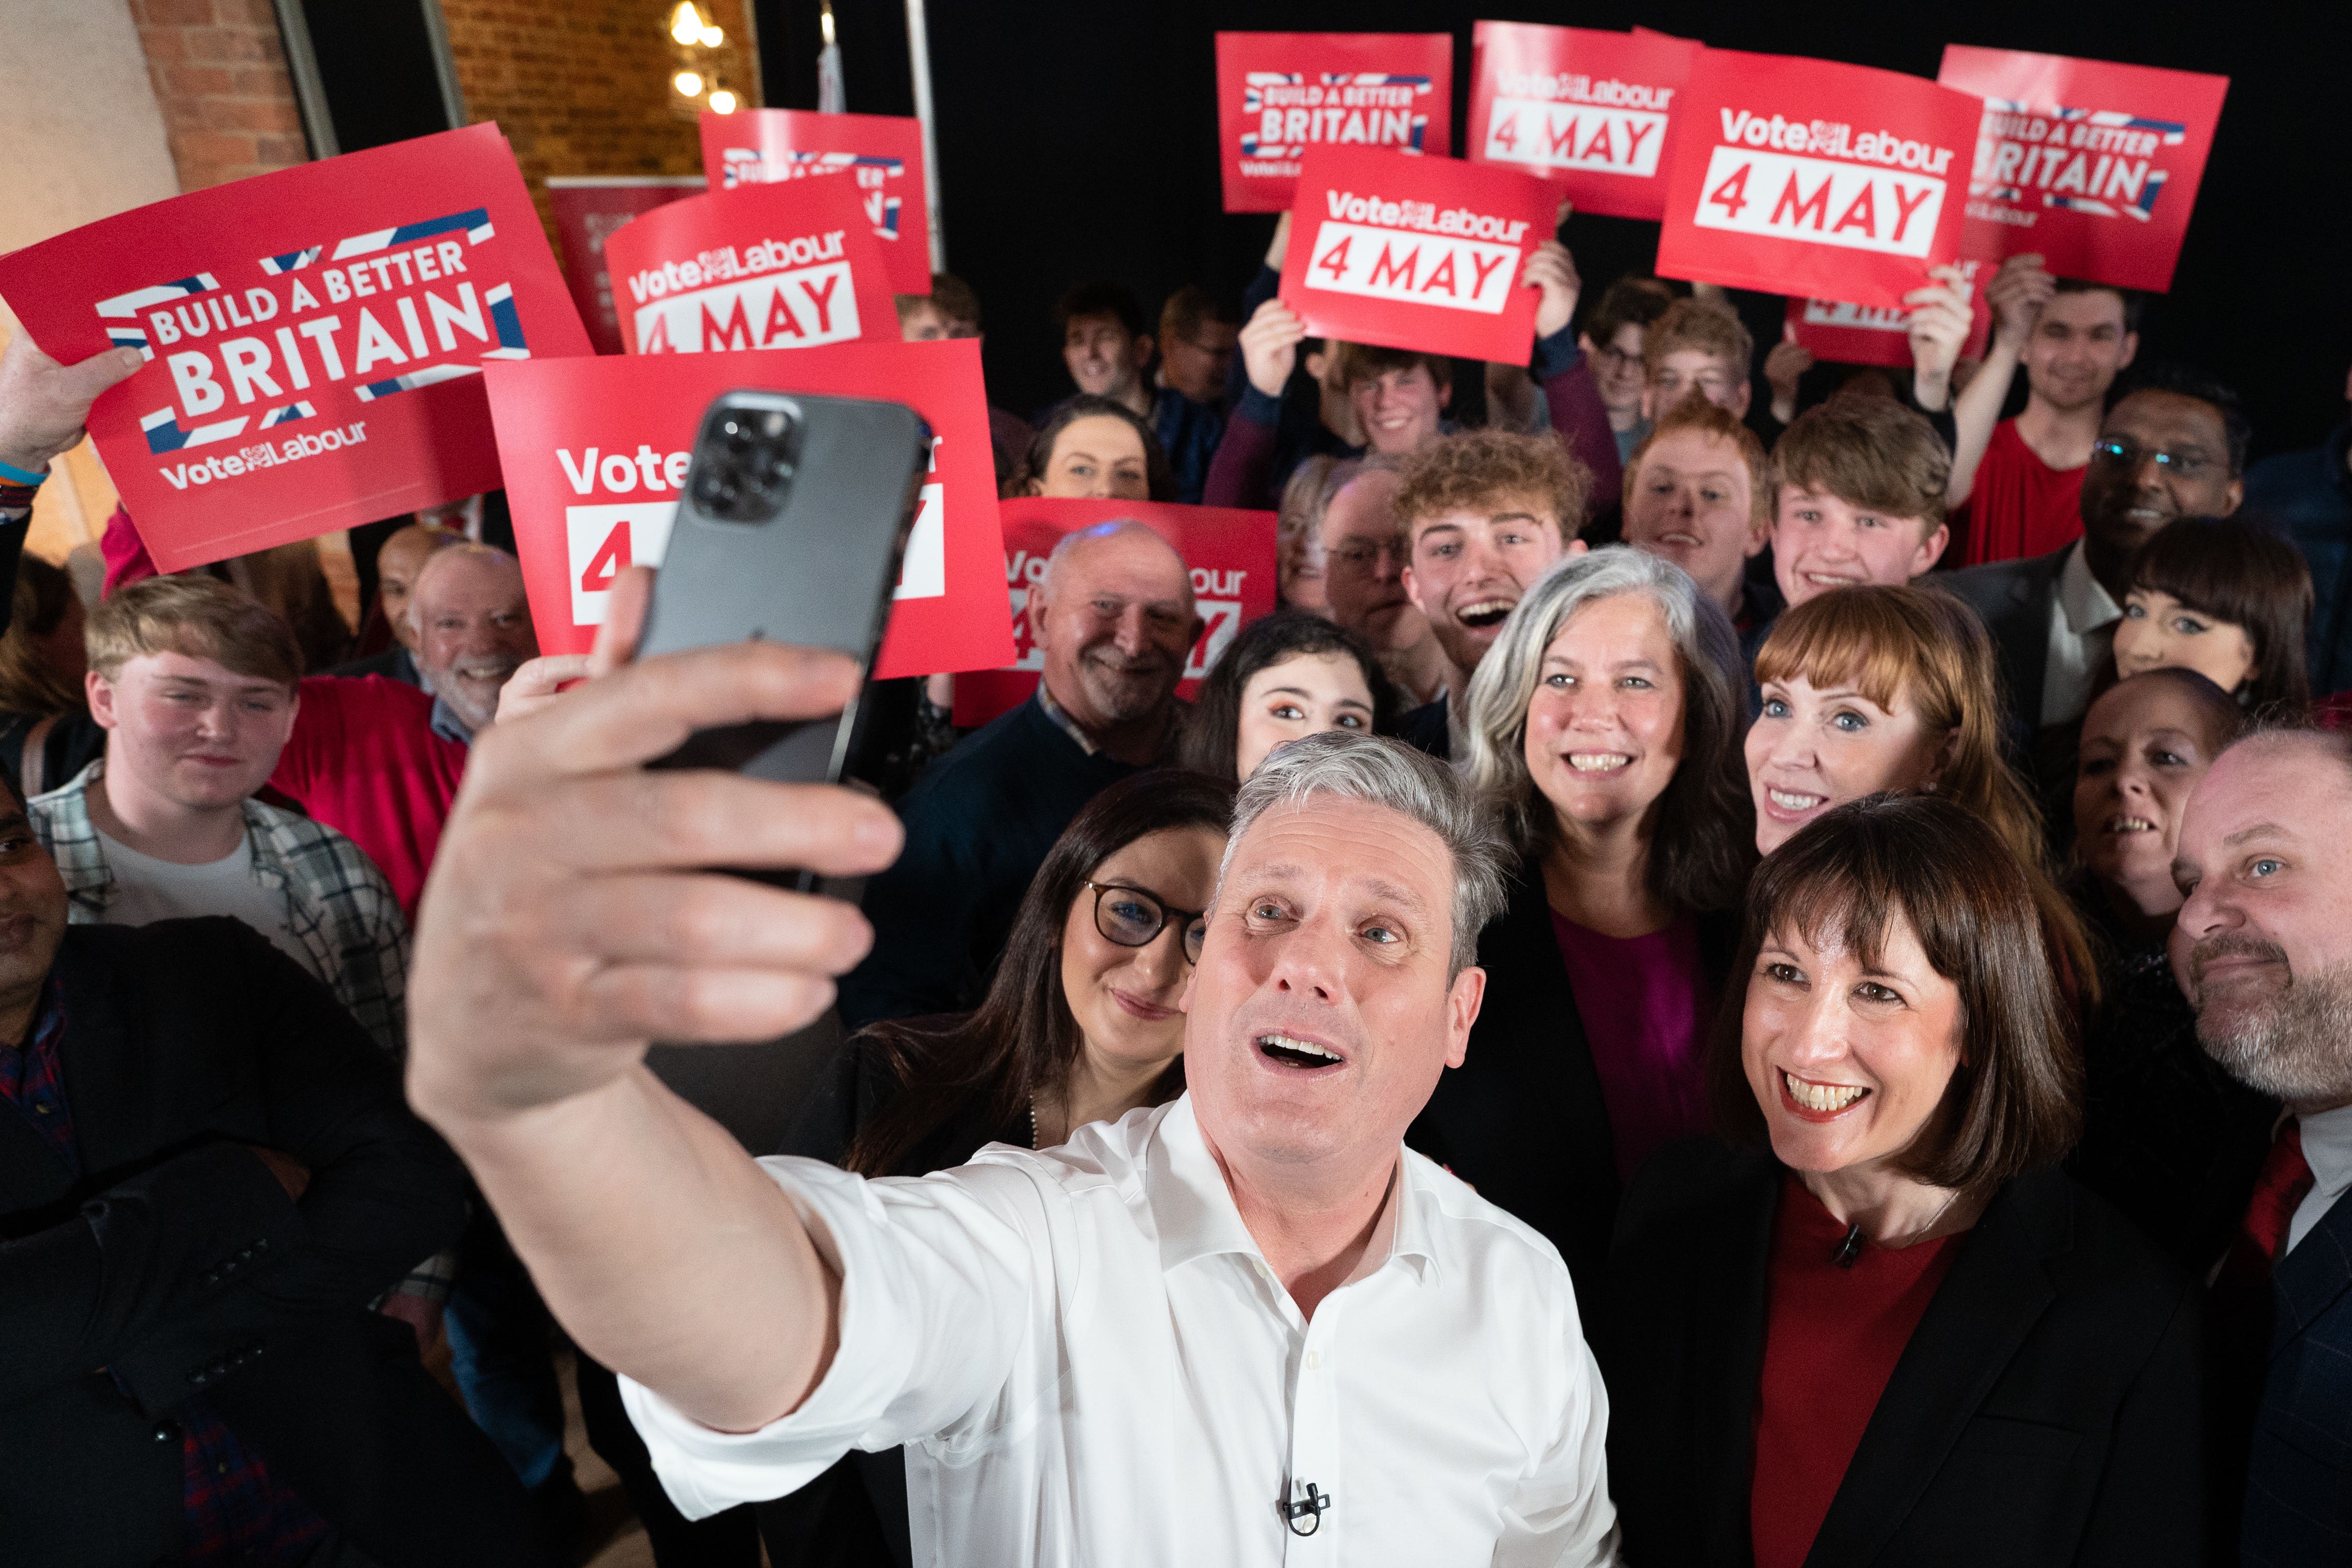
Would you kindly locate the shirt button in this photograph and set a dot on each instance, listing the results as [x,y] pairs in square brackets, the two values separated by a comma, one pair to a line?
[1313,1361]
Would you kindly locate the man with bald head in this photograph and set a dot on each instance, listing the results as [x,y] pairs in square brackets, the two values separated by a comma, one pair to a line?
[1112,618]
[397,564]
[470,626]
[2263,951]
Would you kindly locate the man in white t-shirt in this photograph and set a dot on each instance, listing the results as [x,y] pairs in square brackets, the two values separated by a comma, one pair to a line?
[1214,1331]
[194,682]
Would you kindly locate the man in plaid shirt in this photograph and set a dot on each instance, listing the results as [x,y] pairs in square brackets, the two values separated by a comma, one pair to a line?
[195,683]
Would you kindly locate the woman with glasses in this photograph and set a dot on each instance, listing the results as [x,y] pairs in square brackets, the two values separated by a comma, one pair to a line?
[1080,1025]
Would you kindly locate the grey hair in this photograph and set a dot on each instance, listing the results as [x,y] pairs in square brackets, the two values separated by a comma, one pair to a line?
[1069,544]
[1695,861]
[1388,773]
[456,549]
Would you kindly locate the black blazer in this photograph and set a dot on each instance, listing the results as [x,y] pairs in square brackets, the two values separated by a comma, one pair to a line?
[2298,1501]
[176,1266]
[1522,1119]
[2045,1412]
[2014,597]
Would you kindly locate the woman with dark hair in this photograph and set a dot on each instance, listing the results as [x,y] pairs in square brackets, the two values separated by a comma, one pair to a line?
[42,662]
[1079,1024]
[1884,1327]
[2169,1137]
[1093,448]
[2228,599]
[1602,731]
[1292,673]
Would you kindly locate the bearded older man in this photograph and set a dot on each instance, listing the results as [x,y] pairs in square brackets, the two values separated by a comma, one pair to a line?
[1196,1335]
[2264,948]
[1113,622]
[470,626]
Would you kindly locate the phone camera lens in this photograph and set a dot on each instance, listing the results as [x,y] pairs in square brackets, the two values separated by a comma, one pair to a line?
[774,423]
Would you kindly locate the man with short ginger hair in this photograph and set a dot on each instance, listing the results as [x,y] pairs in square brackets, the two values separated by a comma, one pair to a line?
[1698,346]
[1114,621]
[1485,513]
[1699,493]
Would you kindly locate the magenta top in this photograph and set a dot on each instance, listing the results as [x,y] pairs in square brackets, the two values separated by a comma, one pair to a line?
[1645,1006]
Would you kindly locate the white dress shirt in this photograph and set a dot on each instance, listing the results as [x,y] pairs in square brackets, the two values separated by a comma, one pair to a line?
[2083,619]
[2328,1149]
[1089,1362]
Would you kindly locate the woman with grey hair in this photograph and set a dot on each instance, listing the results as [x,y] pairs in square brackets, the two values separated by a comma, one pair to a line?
[1603,732]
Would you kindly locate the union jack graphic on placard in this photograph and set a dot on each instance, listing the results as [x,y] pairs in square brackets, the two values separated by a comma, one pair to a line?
[2142,204]
[164,434]
[290,413]
[121,312]
[748,166]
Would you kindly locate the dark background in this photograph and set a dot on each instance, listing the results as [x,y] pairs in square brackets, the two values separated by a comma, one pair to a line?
[1079,141]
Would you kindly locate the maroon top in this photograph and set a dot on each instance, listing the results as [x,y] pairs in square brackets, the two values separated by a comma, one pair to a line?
[1832,1337]
[1644,1003]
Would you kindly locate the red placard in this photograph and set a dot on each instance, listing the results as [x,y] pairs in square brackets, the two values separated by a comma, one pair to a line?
[1591,111]
[764,266]
[882,154]
[1231,554]
[2094,164]
[1280,93]
[1873,334]
[595,450]
[1416,253]
[1811,178]
[588,210]
[313,338]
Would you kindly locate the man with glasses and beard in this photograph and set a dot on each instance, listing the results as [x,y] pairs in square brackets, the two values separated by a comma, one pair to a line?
[1113,618]
[2264,949]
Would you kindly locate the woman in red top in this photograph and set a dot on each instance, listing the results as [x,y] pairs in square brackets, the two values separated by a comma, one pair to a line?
[1888,1330]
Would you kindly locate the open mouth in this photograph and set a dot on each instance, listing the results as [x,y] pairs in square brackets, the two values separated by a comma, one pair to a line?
[1291,1051]
[1486,613]
[2129,825]
[1599,762]
[1822,1099]
[1681,540]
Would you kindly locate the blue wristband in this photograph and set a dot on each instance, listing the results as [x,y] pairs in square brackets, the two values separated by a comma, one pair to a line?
[16,476]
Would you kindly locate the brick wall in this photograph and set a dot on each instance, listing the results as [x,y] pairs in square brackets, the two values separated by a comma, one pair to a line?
[582,87]
[220,79]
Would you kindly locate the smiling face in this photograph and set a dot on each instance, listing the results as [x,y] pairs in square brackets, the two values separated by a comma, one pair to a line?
[1470,569]
[1399,409]
[1604,731]
[1617,366]
[1098,456]
[2078,344]
[2263,948]
[2159,629]
[473,628]
[1691,503]
[1320,1011]
[1848,1056]
[1114,621]
[2146,744]
[1103,357]
[1812,749]
[1125,999]
[1822,542]
[2128,496]
[190,729]
[1305,694]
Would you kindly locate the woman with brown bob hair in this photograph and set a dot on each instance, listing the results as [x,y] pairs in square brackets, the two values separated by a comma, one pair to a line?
[1882,1326]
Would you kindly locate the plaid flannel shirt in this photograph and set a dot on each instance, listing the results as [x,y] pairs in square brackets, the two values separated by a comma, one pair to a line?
[339,908]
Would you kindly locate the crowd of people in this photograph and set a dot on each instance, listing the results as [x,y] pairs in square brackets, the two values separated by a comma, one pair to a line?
[1731,978]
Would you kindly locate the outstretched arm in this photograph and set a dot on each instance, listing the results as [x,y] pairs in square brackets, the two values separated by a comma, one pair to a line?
[2017,293]
[572,919]
[42,407]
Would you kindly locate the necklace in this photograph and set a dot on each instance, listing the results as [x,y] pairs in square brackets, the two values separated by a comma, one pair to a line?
[1033,1121]
[1848,1251]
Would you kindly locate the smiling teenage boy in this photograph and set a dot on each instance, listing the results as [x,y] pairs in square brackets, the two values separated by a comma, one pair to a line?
[1859,497]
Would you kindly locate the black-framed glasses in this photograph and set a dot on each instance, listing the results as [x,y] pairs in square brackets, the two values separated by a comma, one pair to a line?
[2130,455]
[1134,918]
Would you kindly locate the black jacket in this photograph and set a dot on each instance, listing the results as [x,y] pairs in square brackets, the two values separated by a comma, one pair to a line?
[2298,1497]
[1522,1119]
[2045,1412]
[177,1268]
[2014,597]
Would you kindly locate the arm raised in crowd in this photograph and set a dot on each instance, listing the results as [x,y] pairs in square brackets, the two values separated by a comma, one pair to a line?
[1572,393]
[44,407]
[2017,293]
[1269,345]
[571,922]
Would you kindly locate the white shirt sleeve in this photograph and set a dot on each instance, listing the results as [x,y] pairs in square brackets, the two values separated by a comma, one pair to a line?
[1561,1517]
[940,1286]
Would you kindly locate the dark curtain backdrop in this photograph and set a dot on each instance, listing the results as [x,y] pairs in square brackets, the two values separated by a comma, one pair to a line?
[1080,141]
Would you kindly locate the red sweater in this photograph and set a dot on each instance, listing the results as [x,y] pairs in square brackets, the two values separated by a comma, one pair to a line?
[1832,1337]
[363,760]
[2020,506]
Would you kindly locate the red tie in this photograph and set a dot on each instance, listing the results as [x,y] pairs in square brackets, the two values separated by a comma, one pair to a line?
[2284,1183]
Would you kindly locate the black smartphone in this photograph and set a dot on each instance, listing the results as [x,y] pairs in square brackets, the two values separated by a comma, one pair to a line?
[794,515]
